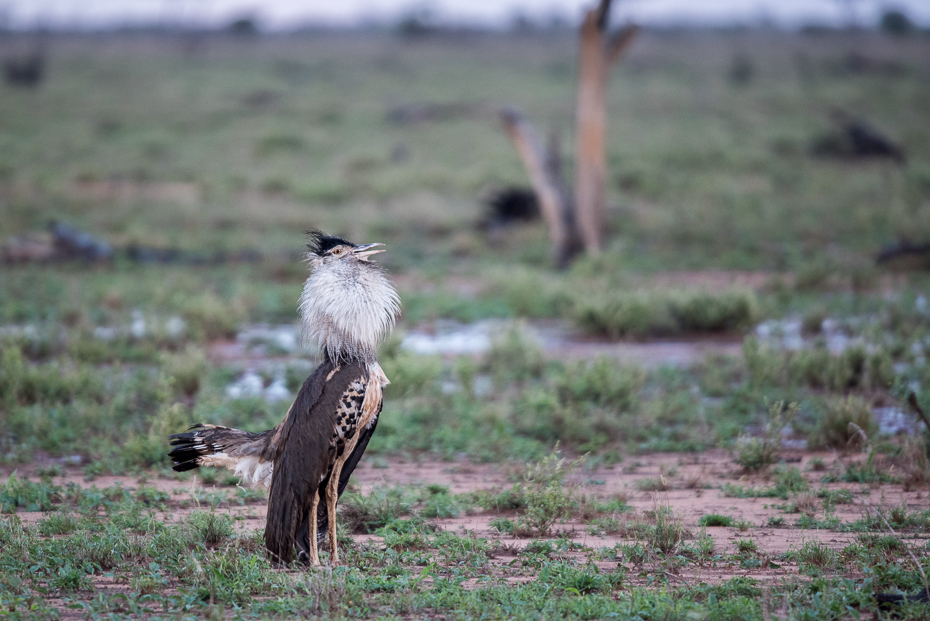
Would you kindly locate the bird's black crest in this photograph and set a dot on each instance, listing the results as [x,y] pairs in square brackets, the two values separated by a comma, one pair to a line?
[319,242]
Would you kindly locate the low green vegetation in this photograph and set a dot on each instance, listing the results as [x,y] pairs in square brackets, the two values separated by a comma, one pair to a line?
[731,219]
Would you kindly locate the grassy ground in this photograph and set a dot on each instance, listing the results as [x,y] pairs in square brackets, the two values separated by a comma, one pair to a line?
[721,218]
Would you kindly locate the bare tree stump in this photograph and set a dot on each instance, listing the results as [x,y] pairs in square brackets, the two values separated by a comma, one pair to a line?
[544,169]
[576,222]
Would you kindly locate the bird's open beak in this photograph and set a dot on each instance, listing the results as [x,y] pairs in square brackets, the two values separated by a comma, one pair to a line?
[364,251]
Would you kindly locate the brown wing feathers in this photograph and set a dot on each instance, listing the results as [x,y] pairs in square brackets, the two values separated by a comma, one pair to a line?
[307,434]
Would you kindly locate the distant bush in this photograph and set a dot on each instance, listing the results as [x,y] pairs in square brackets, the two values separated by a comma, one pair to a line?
[25,383]
[410,374]
[758,453]
[514,357]
[642,314]
[602,382]
[210,528]
[278,143]
[186,369]
[817,367]
[585,405]
[896,23]
[832,429]
[530,294]
[325,191]
[209,317]
[149,449]
[243,27]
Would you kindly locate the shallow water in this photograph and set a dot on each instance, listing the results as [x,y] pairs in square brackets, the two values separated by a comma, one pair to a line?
[559,339]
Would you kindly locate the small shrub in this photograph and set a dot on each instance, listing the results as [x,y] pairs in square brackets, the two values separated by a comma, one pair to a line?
[617,316]
[647,313]
[808,504]
[758,453]
[658,484]
[602,382]
[514,358]
[411,375]
[24,383]
[148,449]
[441,505]
[887,543]
[833,430]
[365,514]
[504,500]
[57,524]
[49,471]
[545,495]
[148,582]
[746,546]
[539,546]
[896,23]
[277,143]
[816,464]
[577,580]
[715,519]
[209,317]
[328,591]
[790,481]
[211,528]
[608,525]
[28,495]
[721,312]
[503,525]
[208,476]
[668,533]
[186,369]
[817,554]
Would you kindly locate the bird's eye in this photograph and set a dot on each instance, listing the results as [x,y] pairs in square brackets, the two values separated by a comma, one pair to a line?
[337,251]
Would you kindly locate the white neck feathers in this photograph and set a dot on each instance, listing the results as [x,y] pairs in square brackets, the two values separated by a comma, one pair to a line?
[348,308]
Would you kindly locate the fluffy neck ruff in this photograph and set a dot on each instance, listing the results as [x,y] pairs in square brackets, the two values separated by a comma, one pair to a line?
[348,307]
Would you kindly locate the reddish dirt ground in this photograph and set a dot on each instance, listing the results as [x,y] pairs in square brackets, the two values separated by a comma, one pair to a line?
[694,483]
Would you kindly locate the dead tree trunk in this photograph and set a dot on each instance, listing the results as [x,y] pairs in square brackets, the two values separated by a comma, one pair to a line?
[576,221]
[545,170]
[594,60]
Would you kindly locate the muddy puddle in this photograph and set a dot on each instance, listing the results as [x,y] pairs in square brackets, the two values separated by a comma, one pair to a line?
[559,339]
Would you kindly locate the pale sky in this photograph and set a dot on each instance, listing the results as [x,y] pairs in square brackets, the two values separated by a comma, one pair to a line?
[284,14]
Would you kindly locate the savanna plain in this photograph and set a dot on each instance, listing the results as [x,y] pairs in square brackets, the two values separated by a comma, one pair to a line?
[709,420]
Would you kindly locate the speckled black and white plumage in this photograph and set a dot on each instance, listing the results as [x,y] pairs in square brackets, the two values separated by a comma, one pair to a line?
[348,305]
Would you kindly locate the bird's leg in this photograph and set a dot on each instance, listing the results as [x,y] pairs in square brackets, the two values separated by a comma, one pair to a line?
[332,495]
[314,550]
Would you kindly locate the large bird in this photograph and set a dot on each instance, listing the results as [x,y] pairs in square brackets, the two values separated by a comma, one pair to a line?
[348,306]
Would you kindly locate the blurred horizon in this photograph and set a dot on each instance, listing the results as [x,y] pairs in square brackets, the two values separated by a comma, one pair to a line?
[283,15]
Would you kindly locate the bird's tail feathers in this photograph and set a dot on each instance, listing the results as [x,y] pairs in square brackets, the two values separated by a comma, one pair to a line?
[212,445]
